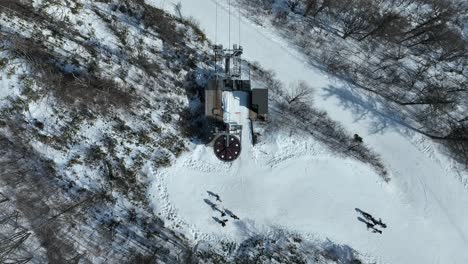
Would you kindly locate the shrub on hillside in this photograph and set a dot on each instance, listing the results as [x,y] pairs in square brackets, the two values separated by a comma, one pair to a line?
[293,108]
[79,87]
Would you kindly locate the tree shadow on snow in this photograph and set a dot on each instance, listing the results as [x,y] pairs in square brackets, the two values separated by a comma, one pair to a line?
[382,115]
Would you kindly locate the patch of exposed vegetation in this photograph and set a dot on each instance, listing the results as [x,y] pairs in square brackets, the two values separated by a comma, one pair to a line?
[293,109]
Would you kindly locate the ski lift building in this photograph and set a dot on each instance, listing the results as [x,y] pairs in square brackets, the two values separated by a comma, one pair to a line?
[232,78]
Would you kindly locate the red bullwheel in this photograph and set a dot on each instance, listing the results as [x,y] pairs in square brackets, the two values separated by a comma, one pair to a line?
[227,147]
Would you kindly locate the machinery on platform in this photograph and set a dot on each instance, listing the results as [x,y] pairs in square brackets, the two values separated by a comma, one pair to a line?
[232,75]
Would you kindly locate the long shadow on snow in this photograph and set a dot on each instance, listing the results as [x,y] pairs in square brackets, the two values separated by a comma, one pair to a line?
[379,112]
[193,122]
[382,119]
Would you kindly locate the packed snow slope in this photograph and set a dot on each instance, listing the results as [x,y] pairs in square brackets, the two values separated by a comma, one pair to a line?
[293,182]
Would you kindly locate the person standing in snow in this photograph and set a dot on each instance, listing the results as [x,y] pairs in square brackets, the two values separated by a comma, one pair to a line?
[379,222]
[216,196]
[368,216]
[215,208]
[370,225]
[231,214]
[221,222]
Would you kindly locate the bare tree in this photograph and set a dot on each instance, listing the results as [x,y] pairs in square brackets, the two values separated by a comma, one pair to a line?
[299,92]
[387,24]
[178,9]
[315,7]
[13,236]
[355,17]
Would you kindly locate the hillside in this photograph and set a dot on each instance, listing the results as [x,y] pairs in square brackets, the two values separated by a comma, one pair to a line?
[90,96]
[97,98]
[407,58]
[105,154]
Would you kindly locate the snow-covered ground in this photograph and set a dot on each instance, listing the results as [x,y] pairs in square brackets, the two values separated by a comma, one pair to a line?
[293,182]
[71,146]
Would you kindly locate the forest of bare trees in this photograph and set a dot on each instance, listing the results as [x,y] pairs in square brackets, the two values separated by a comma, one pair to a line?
[410,54]
[46,216]
[13,236]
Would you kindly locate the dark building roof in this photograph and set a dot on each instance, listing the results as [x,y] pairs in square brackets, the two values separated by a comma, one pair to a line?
[213,103]
[214,84]
[214,91]
[260,100]
[229,85]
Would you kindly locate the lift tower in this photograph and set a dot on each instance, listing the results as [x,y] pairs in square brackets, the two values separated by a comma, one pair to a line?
[231,76]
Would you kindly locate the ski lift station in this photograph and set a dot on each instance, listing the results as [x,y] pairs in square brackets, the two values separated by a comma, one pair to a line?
[231,99]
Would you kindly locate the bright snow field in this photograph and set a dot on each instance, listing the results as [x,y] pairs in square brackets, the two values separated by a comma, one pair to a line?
[292,182]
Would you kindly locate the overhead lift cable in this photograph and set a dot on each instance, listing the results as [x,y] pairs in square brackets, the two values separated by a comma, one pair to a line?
[239,24]
[216,24]
[229,2]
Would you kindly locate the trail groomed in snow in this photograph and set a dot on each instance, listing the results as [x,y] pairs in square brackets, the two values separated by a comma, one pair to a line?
[293,182]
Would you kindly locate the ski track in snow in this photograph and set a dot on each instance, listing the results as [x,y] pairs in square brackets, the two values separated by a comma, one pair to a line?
[296,184]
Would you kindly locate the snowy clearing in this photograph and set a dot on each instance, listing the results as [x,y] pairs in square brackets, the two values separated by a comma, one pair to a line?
[292,182]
